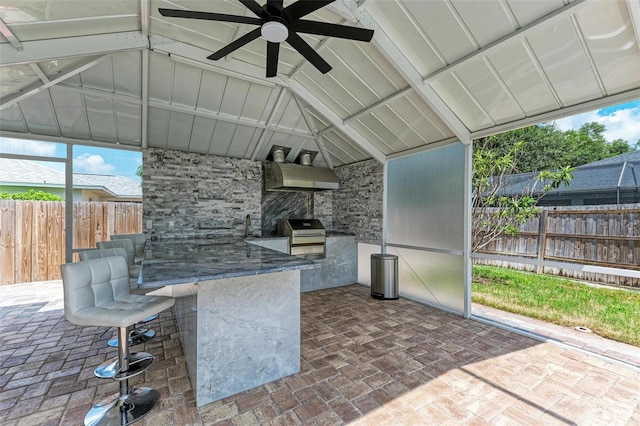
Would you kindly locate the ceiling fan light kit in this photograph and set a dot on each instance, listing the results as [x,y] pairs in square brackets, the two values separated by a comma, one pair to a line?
[275,32]
[277,24]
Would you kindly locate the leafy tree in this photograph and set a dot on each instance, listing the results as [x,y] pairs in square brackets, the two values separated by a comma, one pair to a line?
[549,148]
[495,214]
[139,171]
[31,195]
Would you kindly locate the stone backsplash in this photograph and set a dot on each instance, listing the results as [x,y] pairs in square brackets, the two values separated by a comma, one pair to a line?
[278,205]
[189,195]
[357,205]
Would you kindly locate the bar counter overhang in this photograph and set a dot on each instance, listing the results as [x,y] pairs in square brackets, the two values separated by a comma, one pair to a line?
[237,308]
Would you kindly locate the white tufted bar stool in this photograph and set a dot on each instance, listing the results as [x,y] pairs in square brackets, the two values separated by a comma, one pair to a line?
[96,293]
[139,333]
[139,241]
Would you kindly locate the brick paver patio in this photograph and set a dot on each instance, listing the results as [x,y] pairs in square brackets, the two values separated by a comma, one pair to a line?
[364,362]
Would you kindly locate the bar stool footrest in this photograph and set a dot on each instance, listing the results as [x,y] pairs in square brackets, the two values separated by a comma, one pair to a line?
[138,362]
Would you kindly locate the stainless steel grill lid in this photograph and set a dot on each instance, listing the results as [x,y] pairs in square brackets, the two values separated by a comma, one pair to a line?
[307,237]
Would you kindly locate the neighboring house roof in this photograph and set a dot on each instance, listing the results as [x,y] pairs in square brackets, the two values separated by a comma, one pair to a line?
[598,176]
[29,173]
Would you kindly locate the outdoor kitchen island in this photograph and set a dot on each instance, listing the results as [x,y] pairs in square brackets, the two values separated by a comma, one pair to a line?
[237,308]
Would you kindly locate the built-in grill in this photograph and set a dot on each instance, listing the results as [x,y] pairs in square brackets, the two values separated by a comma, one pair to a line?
[307,237]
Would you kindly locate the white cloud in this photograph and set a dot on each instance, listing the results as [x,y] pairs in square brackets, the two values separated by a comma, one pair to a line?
[92,163]
[623,123]
[27,147]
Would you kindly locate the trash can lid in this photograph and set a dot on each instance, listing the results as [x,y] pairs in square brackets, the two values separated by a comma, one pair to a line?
[383,256]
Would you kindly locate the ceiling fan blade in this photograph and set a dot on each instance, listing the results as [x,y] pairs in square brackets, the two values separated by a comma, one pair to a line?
[275,4]
[273,50]
[332,30]
[235,45]
[209,16]
[309,54]
[253,6]
[304,7]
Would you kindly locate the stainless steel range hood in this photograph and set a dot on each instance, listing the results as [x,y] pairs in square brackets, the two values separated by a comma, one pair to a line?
[296,177]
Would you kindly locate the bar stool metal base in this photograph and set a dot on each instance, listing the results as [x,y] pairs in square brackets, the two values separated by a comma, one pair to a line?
[113,411]
[138,362]
[136,337]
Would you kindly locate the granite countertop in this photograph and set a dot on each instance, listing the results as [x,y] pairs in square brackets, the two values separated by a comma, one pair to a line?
[168,262]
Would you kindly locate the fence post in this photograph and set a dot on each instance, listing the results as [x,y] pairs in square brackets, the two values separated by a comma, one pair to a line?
[542,240]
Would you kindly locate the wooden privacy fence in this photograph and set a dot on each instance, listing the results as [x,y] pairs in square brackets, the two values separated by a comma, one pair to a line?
[590,235]
[32,234]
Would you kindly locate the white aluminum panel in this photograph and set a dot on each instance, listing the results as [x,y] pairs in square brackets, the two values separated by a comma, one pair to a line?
[53,68]
[376,134]
[485,88]
[160,77]
[515,67]
[390,130]
[99,76]
[158,127]
[234,98]
[406,32]
[15,78]
[462,105]
[329,93]
[100,113]
[127,71]
[39,20]
[222,137]
[39,115]
[289,116]
[213,88]
[244,140]
[71,113]
[343,150]
[412,108]
[128,119]
[526,12]
[186,85]
[560,53]
[201,134]
[612,43]
[179,133]
[11,120]
[487,20]
[257,99]
[442,27]
[355,72]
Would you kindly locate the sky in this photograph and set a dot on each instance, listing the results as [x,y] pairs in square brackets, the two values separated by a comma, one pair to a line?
[621,122]
[86,159]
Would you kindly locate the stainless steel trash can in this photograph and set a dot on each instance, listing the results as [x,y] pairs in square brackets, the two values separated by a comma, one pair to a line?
[384,276]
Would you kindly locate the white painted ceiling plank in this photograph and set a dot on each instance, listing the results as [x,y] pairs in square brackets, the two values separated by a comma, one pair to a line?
[69,73]
[45,50]
[518,34]
[310,99]
[396,57]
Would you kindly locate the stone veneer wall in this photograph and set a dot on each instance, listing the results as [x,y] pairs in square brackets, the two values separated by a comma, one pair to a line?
[357,205]
[203,195]
[323,208]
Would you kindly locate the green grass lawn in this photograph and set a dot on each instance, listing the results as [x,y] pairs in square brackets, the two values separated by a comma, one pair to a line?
[608,312]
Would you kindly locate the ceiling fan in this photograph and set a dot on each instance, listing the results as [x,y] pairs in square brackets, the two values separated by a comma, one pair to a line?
[277,24]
